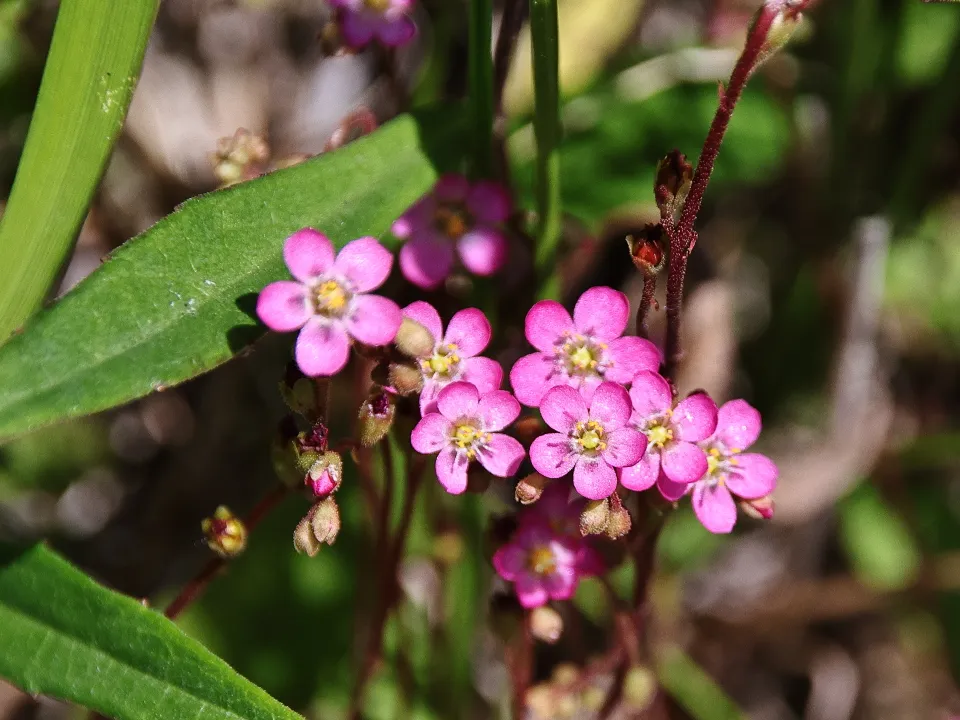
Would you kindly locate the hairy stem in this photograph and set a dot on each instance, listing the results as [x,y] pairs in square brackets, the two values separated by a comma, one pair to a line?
[646,301]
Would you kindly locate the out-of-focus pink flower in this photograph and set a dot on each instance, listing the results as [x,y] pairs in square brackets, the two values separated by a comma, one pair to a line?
[581,351]
[673,460]
[465,428]
[386,20]
[732,472]
[455,215]
[591,439]
[454,355]
[329,303]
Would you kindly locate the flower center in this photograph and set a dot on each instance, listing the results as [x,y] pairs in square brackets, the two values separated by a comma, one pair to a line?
[590,436]
[331,298]
[452,220]
[378,5]
[541,561]
[720,462]
[582,356]
[659,434]
[469,439]
[444,361]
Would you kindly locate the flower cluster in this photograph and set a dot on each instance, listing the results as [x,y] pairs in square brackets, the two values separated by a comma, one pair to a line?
[546,556]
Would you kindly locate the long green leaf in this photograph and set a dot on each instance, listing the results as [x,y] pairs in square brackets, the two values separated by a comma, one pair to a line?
[179,299]
[66,636]
[91,71]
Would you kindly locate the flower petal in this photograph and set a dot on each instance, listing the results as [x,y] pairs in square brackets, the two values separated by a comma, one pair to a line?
[426,259]
[532,376]
[431,434]
[530,591]
[602,312]
[374,320]
[552,456]
[510,561]
[365,263]
[396,31]
[489,202]
[451,469]
[451,188]
[484,373]
[357,28]
[625,447]
[629,356]
[308,254]
[695,418]
[738,424]
[545,324]
[417,217]
[284,306]
[754,476]
[483,250]
[502,455]
[644,474]
[428,396]
[497,409]
[683,462]
[650,394]
[671,490]
[594,479]
[322,349]
[458,400]
[563,407]
[470,331]
[561,584]
[610,406]
[714,508]
[425,314]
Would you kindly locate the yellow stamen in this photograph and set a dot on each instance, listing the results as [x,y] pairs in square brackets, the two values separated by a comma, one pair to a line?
[590,436]
[542,561]
[331,298]
[659,435]
[451,221]
[379,5]
[467,437]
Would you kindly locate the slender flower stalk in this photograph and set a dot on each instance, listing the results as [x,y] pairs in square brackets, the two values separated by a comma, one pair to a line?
[481,86]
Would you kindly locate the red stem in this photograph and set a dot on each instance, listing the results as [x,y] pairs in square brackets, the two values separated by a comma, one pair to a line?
[646,301]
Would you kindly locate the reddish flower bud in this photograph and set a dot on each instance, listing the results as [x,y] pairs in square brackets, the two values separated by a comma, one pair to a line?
[648,249]
[225,533]
[672,183]
[619,522]
[325,475]
[530,488]
[759,509]
[376,416]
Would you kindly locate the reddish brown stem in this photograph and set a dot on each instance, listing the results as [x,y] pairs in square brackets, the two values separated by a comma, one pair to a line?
[193,589]
[646,302]
[520,664]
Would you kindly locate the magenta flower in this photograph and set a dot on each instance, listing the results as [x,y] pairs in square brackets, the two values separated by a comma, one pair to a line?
[454,355]
[673,460]
[590,440]
[541,564]
[464,428]
[329,301]
[581,351]
[456,214]
[730,471]
[386,20]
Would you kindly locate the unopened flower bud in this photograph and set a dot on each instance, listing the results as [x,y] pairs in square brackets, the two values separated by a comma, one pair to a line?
[785,22]
[618,522]
[546,624]
[530,488]
[300,397]
[594,518]
[225,533]
[241,157]
[413,339]
[303,538]
[639,687]
[759,509]
[648,250]
[672,183]
[405,378]
[376,417]
[325,475]
[326,521]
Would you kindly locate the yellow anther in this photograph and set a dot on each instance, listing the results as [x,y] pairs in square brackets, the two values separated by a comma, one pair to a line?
[452,221]
[331,298]
[542,561]
[590,435]
[659,435]
[379,5]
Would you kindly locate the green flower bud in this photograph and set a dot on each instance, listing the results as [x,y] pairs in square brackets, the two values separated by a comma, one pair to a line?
[413,339]
[225,533]
[595,517]
[376,417]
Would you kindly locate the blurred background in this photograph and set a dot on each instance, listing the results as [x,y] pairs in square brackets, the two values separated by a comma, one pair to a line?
[825,289]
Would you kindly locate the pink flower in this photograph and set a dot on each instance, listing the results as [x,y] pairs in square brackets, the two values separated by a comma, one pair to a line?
[542,564]
[672,460]
[329,301]
[454,354]
[464,428]
[730,471]
[456,214]
[581,351]
[386,20]
[590,440]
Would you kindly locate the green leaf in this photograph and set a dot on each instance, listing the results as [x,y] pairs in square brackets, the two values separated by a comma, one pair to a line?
[693,689]
[180,299]
[91,71]
[66,636]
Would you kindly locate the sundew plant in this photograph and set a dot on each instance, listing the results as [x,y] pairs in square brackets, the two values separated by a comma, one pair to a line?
[458,302]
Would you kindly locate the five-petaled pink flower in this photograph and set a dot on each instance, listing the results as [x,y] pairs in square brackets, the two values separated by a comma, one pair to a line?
[730,471]
[454,355]
[465,428]
[456,214]
[542,564]
[386,20]
[329,301]
[673,460]
[581,351]
[591,439]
